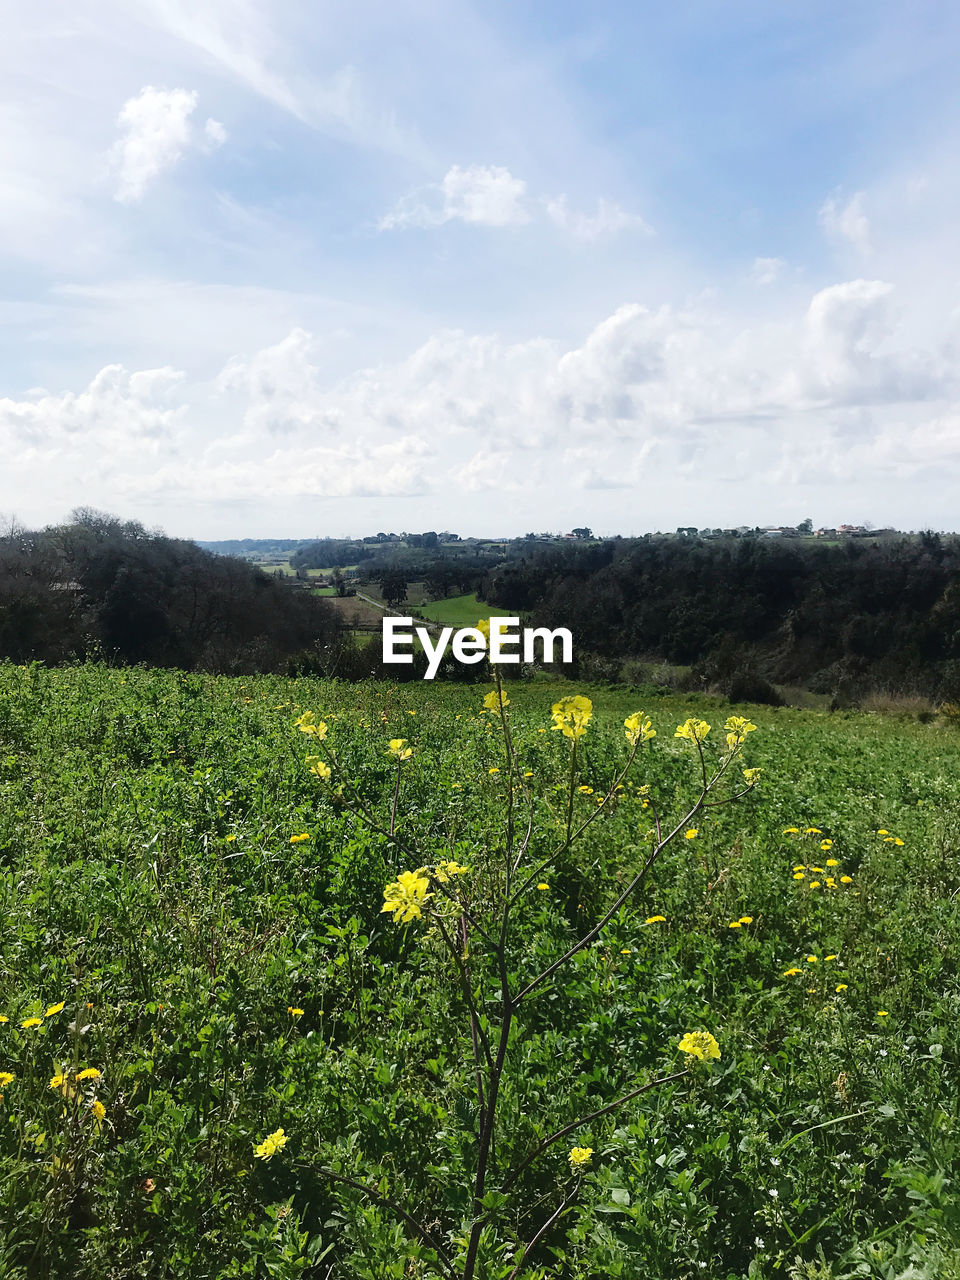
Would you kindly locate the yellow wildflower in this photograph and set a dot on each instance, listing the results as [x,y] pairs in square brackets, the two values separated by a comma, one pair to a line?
[271,1144]
[585,791]
[543,886]
[405,896]
[816,870]
[493,703]
[791,831]
[811,959]
[814,884]
[898,841]
[637,728]
[695,730]
[399,749]
[294,1011]
[99,1110]
[841,986]
[572,715]
[789,973]
[691,834]
[882,1013]
[798,875]
[800,867]
[304,835]
[58,1081]
[580,1157]
[882,831]
[846,879]
[812,831]
[656,920]
[307,723]
[832,862]
[483,626]
[700,1044]
[446,870]
[54,1008]
[31,1022]
[746,919]
[4,1018]
[751,775]
[739,727]
[826,844]
[735,924]
[494,770]
[830,957]
[88,1073]
[318,767]
[6,1077]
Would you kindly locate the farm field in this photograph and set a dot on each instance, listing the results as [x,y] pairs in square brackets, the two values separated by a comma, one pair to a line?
[219,1057]
[460,611]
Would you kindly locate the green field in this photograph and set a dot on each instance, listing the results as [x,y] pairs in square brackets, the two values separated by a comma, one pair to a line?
[461,611]
[194,957]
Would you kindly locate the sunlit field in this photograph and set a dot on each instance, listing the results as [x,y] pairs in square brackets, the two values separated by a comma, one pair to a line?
[224,1053]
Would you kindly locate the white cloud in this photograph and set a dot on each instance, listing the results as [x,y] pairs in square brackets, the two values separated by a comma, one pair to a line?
[490,196]
[846,223]
[155,131]
[484,195]
[609,219]
[767,270]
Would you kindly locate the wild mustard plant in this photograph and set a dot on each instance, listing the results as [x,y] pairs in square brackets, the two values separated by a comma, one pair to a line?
[478,913]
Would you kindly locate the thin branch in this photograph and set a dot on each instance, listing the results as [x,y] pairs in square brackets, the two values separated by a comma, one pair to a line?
[421,1230]
[554,1217]
[593,1115]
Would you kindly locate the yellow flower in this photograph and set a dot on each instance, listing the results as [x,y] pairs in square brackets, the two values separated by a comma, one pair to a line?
[831,957]
[735,924]
[399,749]
[841,986]
[4,1018]
[751,775]
[492,703]
[446,870]
[700,1044]
[271,1144]
[6,1077]
[307,723]
[543,886]
[99,1110]
[814,884]
[831,883]
[637,728]
[580,1157]
[846,879]
[54,1008]
[791,831]
[626,951]
[811,959]
[800,867]
[739,727]
[695,730]
[898,841]
[812,831]
[817,870]
[746,919]
[832,862]
[572,715]
[294,1011]
[317,766]
[585,791]
[31,1022]
[405,896]
[788,973]
[798,875]
[493,770]
[304,835]
[691,834]
[483,626]
[826,844]
[882,1013]
[656,920]
[88,1073]
[882,831]
[58,1081]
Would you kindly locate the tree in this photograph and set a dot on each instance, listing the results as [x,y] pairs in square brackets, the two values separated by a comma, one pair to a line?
[393,586]
[583,532]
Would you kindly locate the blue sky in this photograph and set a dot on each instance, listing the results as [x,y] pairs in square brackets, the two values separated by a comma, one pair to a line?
[290,269]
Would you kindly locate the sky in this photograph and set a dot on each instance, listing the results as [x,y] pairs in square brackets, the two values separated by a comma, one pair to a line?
[298,269]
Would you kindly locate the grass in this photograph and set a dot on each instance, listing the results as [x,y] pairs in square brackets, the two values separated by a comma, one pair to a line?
[461,611]
[150,881]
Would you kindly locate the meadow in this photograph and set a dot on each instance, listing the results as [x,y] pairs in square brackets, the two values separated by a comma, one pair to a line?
[222,1054]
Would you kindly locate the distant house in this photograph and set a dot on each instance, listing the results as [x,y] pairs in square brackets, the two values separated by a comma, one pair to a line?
[824,533]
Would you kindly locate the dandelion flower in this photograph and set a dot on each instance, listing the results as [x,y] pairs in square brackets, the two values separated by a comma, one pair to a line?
[58,1081]
[832,862]
[798,875]
[98,1109]
[89,1073]
[814,884]
[832,957]
[746,919]
[294,1011]
[700,1044]
[812,831]
[791,831]
[31,1022]
[4,1018]
[882,1013]
[54,1008]
[626,951]
[846,879]
[811,959]
[735,924]
[789,973]
[826,844]
[493,770]
[691,834]
[585,791]
[841,986]
[304,835]
[656,920]
[882,831]
[271,1144]
[6,1077]
[543,886]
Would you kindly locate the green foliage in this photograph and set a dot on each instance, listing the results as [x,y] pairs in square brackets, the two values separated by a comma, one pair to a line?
[148,880]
